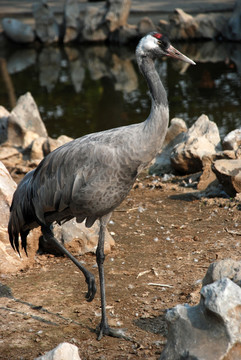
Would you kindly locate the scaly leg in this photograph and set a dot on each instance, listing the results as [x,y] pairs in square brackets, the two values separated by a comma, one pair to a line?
[104,328]
[89,277]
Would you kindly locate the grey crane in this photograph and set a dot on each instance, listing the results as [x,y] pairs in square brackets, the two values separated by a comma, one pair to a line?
[89,177]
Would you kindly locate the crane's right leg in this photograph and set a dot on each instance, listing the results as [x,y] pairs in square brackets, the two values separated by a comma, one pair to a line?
[89,277]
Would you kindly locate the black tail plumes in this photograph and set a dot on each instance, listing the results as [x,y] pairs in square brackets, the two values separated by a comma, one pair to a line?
[21,215]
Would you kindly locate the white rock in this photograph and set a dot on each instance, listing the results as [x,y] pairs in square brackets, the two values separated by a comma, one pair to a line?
[23,118]
[232,141]
[63,351]
[79,239]
[202,139]
[175,135]
[228,173]
[18,31]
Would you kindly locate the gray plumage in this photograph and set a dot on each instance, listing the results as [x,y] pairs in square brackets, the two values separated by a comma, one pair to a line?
[89,177]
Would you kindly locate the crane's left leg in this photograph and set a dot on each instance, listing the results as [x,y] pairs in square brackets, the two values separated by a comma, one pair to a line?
[104,328]
[89,277]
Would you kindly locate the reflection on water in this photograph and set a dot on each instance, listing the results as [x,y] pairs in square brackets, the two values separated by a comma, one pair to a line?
[82,89]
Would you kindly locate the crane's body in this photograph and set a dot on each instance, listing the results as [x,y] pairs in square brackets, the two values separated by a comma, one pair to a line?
[89,177]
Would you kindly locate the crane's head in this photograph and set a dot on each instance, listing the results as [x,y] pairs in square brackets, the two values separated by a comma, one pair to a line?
[156,45]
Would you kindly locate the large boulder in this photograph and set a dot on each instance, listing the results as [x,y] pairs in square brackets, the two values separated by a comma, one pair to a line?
[25,123]
[10,261]
[117,13]
[174,136]
[232,30]
[183,26]
[200,140]
[228,173]
[47,28]
[101,22]
[17,31]
[71,20]
[210,330]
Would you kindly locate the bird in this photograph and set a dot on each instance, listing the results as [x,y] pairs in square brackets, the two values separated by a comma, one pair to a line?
[89,177]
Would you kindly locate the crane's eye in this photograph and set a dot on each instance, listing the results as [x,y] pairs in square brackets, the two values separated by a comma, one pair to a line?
[162,40]
[163,43]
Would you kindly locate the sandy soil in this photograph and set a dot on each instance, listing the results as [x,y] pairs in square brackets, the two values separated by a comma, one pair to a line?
[164,236]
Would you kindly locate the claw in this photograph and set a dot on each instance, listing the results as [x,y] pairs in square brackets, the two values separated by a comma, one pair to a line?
[91,288]
[107,331]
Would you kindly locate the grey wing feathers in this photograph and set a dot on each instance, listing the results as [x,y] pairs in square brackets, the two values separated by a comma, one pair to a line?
[50,191]
[80,179]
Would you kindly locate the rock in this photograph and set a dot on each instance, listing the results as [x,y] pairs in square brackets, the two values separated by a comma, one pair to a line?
[37,152]
[25,120]
[7,152]
[78,239]
[51,144]
[210,26]
[232,141]
[227,268]
[102,22]
[93,26]
[10,262]
[228,173]
[208,176]
[63,351]
[183,26]
[4,114]
[232,31]
[71,20]
[124,34]
[117,14]
[7,188]
[47,28]
[210,330]
[201,139]
[17,31]
[174,136]
[145,25]
[42,146]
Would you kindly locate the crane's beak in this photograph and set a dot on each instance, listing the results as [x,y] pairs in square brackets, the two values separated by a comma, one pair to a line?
[172,52]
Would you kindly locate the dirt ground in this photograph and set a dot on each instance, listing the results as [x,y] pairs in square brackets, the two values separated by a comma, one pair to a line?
[165,240]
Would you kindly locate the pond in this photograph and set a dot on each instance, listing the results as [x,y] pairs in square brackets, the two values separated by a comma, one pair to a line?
[83,89]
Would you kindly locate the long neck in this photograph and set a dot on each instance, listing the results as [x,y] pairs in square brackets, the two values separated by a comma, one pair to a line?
[155,126]
[158,93]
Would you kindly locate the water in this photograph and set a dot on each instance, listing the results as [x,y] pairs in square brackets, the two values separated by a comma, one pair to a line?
[83,89]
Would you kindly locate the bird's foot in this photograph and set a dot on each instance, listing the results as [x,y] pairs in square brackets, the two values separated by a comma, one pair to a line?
[90,280]
[105,330]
